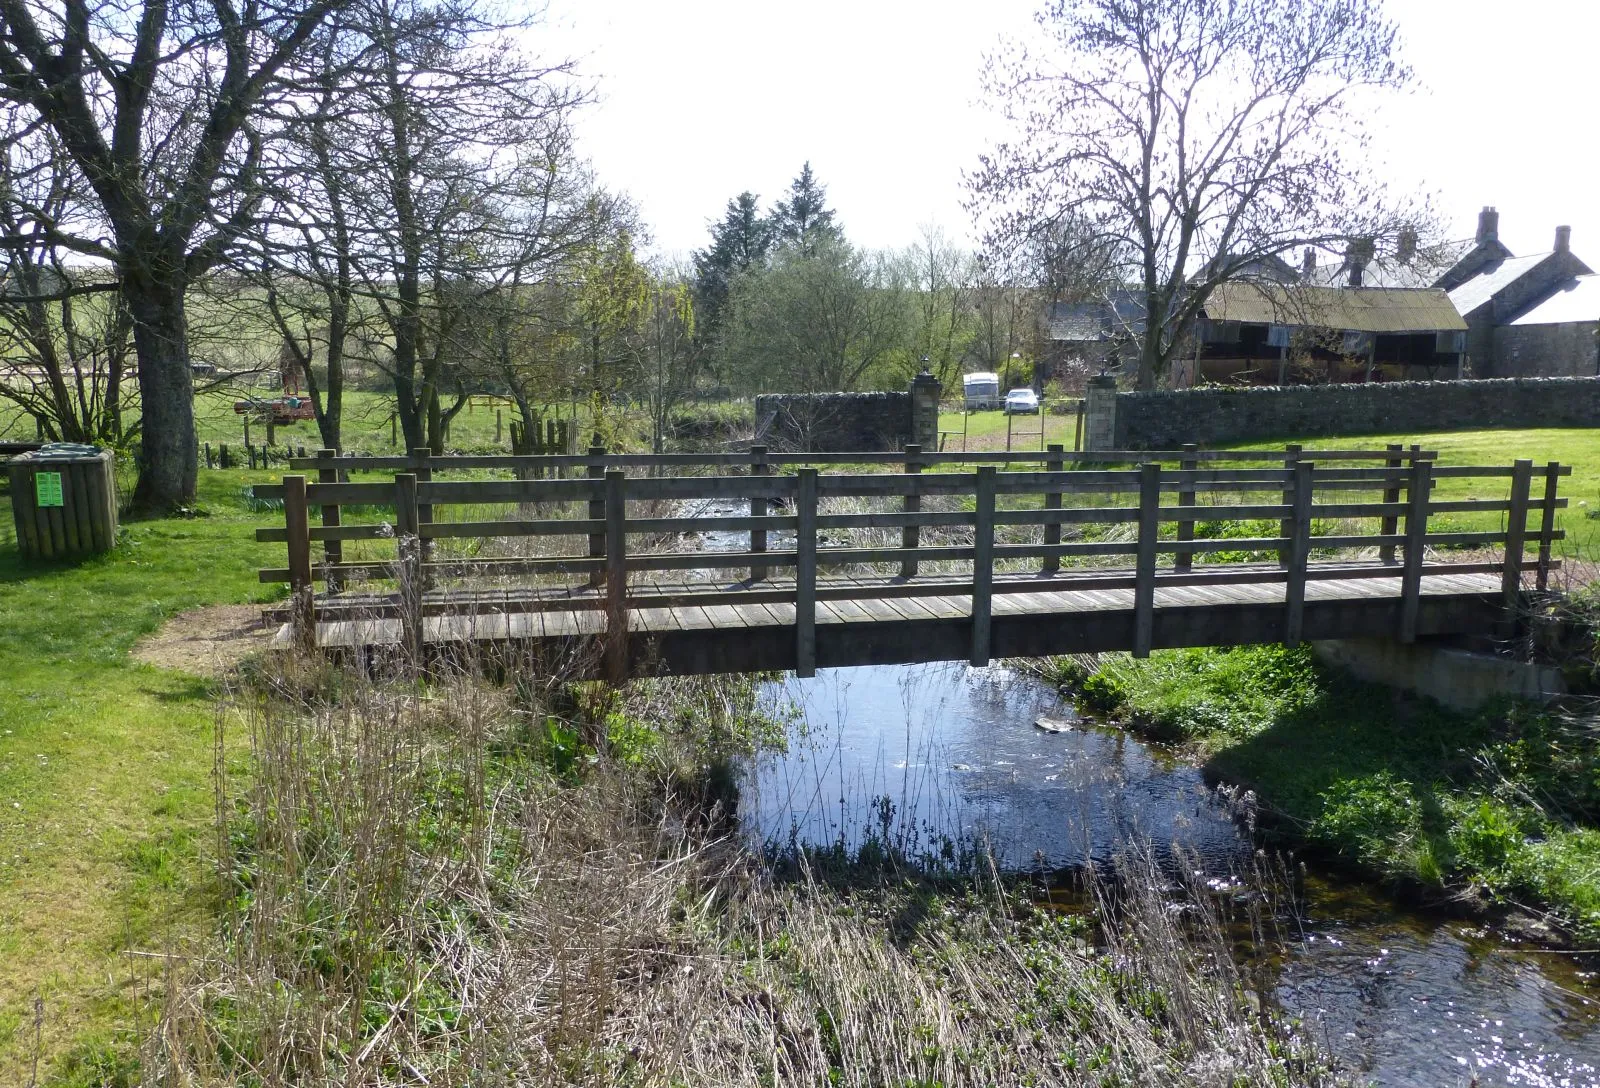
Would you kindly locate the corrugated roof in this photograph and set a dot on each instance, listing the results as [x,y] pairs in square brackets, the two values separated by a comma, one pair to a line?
[1490,282]
[1357,309]
[1578,299]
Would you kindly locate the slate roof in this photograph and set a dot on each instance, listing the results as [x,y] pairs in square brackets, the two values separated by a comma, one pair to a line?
[1577,299]
[1482,288]
[1119,315]
[1355,309]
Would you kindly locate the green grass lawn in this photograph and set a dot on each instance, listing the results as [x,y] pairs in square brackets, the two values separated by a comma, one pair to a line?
[105,774]
[1579,448]
[988,430]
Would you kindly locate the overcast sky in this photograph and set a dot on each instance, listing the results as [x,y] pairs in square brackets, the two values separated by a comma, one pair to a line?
[703,98]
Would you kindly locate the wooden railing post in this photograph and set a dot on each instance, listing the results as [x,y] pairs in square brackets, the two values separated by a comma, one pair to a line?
[420,458]
[408,521]
[910,535]
[1299,554]
[983,565]
[332,550]
[297,524]
[758,509]
[805,573]
[1183,561]
[1418,488]
[616,503]
[1286,526]
[1144,574]
[596,470]
[1391,494]
[1052,501]
[1516,538]
[1547,523]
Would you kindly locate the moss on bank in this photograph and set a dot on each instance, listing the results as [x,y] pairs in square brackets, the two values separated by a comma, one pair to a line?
[1502,805]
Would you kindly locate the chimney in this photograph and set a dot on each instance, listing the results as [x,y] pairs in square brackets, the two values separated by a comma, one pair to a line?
[1308,265]
[1406,249]
[1357,255]
[1563,239]
[1488,226]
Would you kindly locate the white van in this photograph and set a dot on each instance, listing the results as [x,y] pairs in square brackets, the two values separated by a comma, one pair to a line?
[981,390]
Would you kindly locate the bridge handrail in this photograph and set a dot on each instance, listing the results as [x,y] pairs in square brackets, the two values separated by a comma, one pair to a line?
[1406,493]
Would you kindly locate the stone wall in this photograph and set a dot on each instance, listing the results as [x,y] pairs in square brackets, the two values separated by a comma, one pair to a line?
[1225,417]
[817,422]
[1546,351]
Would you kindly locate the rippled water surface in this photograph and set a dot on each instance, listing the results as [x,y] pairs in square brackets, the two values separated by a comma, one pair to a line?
[943,753]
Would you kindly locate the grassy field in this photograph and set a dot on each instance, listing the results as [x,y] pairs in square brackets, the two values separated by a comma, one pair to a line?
[106,764]
[105,773]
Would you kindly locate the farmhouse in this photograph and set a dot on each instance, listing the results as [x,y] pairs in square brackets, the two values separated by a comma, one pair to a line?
[1531,316]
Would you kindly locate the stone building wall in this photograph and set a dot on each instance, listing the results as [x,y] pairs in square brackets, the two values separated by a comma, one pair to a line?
[818,422]
[1219,418]
[1547,351]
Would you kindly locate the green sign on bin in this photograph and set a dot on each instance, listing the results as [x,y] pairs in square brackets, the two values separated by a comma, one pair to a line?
[47,488]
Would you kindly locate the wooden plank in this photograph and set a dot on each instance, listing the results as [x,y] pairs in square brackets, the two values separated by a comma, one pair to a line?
[758,509]
[1416,534]
[616,575]
[297,524]
[409,567]
[1052,505]
[1184,560]
[805,599]
[1144,592]
[910,536]
[983,567]
[1299,555]
[1547,524]
[1516,533]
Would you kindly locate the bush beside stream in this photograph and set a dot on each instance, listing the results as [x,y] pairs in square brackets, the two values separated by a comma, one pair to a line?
[1501,806]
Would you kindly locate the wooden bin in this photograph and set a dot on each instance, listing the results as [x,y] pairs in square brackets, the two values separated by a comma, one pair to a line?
[64,500]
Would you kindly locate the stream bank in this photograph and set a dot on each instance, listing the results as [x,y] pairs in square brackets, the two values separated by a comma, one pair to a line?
[930,758]
[1493,812]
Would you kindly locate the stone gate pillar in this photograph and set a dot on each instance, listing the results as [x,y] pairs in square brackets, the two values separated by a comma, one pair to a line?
[925,393]
[1100,413]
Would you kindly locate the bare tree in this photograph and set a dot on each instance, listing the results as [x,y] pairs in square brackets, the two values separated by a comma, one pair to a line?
[1188,140]
[943,280]
[153,103]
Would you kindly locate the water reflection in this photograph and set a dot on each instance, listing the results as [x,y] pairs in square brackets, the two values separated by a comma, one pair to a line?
[935,754]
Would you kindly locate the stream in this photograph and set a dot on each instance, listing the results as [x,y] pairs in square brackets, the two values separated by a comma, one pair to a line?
[1401,998]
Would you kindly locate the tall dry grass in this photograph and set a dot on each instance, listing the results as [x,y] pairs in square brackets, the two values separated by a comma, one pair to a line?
[464,883]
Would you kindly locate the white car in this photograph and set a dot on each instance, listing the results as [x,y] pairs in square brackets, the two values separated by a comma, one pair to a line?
[1022,401]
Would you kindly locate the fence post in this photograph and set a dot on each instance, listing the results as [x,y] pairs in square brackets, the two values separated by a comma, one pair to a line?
[1391,495]
[910,535]
[410,574]
[1077,430]
[1299,555]
[1286,526]
[758,509]
[1547,523]
[1516,538]
[420,458]
[332,550]
[597,509]
[616,503]
[805,574]
[983,565]
[1418,497]
[1183,561]
[1052,501]
[1144,574]
[297,524]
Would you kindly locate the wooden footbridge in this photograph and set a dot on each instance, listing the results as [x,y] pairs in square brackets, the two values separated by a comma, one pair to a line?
[683,564]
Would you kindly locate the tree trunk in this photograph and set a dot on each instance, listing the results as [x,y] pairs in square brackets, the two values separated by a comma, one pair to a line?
[168,465]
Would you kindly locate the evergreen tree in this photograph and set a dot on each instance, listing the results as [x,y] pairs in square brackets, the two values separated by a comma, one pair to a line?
[740,241]
[804,220]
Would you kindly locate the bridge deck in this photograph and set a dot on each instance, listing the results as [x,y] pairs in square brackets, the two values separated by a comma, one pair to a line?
[886,629]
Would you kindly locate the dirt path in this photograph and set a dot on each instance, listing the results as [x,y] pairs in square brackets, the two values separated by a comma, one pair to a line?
[206,641]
